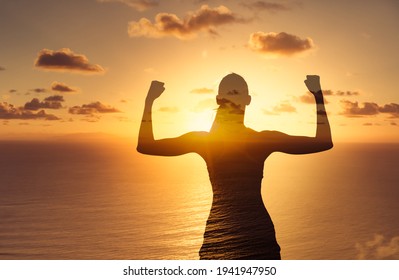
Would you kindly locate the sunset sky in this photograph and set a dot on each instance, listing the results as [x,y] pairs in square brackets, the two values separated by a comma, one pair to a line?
[70,67]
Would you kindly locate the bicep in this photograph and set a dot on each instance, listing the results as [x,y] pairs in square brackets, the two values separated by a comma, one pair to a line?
[186,143]
[289,144]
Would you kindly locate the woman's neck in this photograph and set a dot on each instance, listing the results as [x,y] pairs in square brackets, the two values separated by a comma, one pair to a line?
[228,119]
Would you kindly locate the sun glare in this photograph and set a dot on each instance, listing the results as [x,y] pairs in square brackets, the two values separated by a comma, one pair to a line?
[201,121]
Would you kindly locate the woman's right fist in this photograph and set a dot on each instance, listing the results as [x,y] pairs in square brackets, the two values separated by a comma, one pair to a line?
[155,90]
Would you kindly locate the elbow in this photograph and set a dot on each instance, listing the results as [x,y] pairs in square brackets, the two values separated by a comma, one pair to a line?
[141,149]
[328,145]
[145,148]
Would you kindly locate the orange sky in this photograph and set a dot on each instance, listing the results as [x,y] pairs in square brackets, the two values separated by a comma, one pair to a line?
[85,66]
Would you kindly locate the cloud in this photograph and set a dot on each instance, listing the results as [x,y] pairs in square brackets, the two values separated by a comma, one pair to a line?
[39,90]
[51,102]
[205,19]
[169,109]
[352,109]
[12,91]
[92,109]
[266,6]
[279,44]
[309,99]
[9,112]
[2,68]
[139,5]
[379,248]
[66,60]
[206,104]
[346,93]
[327,92]
[202,90]
[284,107]
[61,87]
[391,108]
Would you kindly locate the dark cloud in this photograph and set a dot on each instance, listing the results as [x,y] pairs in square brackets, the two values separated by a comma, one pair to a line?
[9,112]
[92,109]
[169,109]
[139,5]
[266,6]
[352,109]
[327,92]
[205,19]
[309,99]
[61,87]
[2,68]
[39,90]
[279,44]
[55,98]
[346,93]
[202,90]
[51,102]
[391,108]
[12,91]
[66,60]
[394,123]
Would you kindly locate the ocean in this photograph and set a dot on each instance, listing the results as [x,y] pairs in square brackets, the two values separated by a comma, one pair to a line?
[103,200]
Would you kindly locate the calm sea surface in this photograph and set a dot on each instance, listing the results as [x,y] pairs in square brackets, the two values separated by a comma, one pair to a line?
[76,200]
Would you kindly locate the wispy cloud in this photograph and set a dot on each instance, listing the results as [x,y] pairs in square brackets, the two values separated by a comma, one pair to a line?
[205,19]
[202,90]
[66,60]
[9,112]
[284,107]
[51,102]
[279,44]
[266,6]
[206,104]
[346,93]
[379,248]
[61,87]
[308,99]
[92,109]
[169,109]
[139,5]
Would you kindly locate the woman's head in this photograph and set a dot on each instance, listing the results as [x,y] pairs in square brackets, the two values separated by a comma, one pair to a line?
[233,89]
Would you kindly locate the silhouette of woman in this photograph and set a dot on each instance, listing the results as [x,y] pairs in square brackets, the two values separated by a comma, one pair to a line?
[239,226]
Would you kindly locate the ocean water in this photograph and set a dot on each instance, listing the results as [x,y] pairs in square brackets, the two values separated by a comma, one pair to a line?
[91,200]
